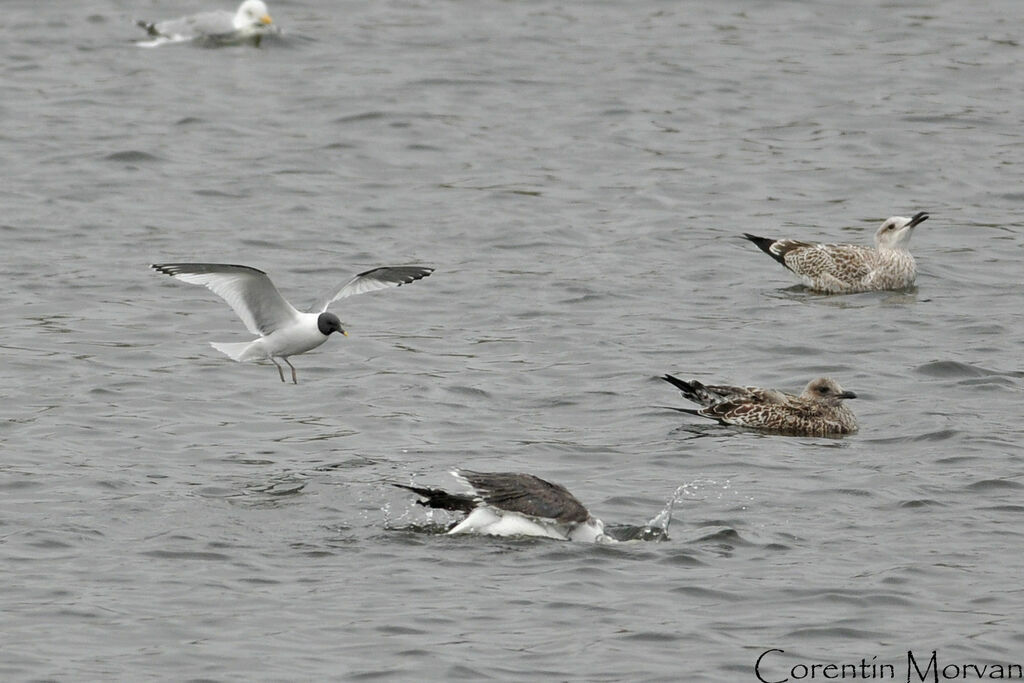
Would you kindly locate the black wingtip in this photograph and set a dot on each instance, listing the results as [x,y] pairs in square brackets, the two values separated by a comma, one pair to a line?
[680,384]
[149,27]
[765,245]
[438,498]
[416,273]
[174,269]
[171,269]
[404,274]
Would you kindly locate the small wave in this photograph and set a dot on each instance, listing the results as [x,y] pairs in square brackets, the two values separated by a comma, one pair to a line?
[994,485]
[131,156]
[951,368]
[919,503]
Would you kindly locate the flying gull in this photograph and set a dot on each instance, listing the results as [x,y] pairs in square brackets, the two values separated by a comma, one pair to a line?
[284,331]
[850,268]
[250,22]
[818,411]
[514,504]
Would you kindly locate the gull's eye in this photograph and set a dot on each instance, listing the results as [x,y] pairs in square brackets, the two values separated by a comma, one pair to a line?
[822,390]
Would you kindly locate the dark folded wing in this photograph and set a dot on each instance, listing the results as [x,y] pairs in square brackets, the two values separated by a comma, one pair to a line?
[526,495]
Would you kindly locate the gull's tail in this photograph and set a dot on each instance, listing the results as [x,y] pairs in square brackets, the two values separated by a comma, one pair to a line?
[235,351]
[766,245]
[438,498]
[149,26]
[692,390]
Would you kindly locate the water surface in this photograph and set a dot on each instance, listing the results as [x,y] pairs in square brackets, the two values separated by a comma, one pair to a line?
[579,174]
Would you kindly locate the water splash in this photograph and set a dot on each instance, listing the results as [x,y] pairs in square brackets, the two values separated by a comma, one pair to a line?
[414,519]
[657,528]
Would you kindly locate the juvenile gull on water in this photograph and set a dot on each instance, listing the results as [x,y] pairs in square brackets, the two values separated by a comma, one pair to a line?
[284,331]
[818,411]
[514,504]
[248,23]
[850,268]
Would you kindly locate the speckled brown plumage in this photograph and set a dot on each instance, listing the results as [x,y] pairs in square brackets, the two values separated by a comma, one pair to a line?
[850,268]
[818,411]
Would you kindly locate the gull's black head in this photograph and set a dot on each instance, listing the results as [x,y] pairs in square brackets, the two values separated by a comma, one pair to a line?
[328,322]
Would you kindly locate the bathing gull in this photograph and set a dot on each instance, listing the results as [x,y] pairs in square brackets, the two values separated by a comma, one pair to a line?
[250,22]
[514,504]
[818,411]
[284,331]
[850,268]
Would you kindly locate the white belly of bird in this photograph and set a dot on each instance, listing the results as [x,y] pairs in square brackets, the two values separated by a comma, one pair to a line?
[483,520]
[290,340]
[294,339]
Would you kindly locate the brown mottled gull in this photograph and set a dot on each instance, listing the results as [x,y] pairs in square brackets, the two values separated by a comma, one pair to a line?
[515,504]
[850,268]
[818,411]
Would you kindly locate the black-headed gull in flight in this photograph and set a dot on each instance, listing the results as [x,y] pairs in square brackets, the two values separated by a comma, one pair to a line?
[249,22]
[284,331]
[515,504]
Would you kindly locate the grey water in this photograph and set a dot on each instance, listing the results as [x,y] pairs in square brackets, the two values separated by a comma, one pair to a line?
[580,174]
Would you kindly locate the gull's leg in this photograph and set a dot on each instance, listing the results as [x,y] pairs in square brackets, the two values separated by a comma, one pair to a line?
[295,380]
[279,370]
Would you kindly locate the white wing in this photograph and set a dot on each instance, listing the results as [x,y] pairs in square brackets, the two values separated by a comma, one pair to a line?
[371,280]
[204,24]
[247,290]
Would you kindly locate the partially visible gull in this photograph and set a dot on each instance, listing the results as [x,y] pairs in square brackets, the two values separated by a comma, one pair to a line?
[284,331]
[818,411]
[850,268]
[250,22]
[514,504]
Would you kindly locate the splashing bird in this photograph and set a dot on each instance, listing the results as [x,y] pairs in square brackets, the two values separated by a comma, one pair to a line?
[817,411]
[514,504]
[851,268]
[283,331]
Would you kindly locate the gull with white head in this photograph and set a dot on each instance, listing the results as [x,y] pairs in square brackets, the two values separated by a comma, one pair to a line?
[851,268]
[284,331]
[817,411]
[248,23]
[515,504]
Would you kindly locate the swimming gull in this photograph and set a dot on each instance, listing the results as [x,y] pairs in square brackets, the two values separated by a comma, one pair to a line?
[514,504]
[249,22]
[818,411]
[850,268]
[284,331]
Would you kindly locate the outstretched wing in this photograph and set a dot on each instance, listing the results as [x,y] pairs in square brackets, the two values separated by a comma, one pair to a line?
[247,290]
[525,494]
[371,280]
